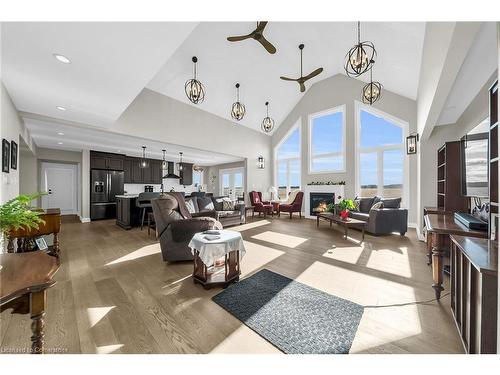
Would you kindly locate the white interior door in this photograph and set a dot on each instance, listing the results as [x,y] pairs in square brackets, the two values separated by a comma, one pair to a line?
[231,182]
[59,181]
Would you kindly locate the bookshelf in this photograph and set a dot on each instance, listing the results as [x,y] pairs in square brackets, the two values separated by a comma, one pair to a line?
[449,183]
[493,158]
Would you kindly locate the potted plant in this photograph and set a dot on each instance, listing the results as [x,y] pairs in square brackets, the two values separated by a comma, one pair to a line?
[17,213]
[344,206]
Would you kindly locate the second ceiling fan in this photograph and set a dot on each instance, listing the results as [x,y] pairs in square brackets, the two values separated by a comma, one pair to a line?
[301,80]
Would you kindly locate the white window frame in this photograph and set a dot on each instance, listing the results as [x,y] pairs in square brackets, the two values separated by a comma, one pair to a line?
[201,176]
[296,126]
[341,109]
[358,107]
[232,171]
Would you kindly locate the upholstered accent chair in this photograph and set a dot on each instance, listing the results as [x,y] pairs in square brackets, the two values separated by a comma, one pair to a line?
[176,226]
[259,205]
[295,206]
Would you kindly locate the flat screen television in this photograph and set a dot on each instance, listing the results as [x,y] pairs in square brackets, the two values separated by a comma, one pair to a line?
[475,165]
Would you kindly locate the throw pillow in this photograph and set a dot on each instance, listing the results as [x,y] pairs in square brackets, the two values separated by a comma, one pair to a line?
[356,204]
[227,204]
[365,204]
[218,203]
[392,202]
[191,205]
[377,205]
[205,204]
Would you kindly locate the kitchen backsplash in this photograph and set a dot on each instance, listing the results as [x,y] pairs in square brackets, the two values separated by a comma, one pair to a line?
[169,184]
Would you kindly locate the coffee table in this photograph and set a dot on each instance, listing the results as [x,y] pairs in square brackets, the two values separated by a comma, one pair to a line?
[350,223]
[217,262]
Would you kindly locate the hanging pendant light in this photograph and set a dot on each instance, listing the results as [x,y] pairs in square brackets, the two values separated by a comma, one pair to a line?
[164,163]
[267,123]
[144,163]
[360,58]
[181,167]
[372,91]
[238,109]
[194,89]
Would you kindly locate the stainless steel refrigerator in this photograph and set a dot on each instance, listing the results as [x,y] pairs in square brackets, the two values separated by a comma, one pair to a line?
[104,187]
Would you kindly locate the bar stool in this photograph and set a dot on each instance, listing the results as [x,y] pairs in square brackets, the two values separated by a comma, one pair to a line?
[143,202]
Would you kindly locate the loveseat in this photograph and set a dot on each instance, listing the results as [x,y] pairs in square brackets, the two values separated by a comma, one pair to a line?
[386,219]
[223,209]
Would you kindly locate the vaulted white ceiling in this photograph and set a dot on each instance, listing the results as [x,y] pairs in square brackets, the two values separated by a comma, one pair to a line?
[222,63]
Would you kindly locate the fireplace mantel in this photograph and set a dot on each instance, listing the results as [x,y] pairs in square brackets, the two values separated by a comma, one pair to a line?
[337,189]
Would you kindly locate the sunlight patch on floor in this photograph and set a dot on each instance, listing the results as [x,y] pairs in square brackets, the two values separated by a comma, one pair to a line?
[387,260]
[95,314]
[257,256]
[280,239]
[244,341]
[142,252]
[348,254]
[255,224]
[177,281]
[108,349]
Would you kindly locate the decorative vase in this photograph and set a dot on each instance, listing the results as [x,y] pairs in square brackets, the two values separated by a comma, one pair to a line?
[344,214]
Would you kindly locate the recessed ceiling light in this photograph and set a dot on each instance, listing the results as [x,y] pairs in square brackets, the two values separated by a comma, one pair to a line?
[60,133]
[61,58]
[61,108]
[59,143]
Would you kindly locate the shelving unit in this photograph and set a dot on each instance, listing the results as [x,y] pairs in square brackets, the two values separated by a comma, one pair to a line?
[449,194]
[493,158]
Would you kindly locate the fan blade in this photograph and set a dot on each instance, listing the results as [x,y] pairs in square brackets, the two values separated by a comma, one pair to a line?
[267,45]
[238,38]
[289,79]
[302,87]
[313,74]
[261,26]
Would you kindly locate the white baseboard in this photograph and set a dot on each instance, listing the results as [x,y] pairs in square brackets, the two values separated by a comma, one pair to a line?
[84,219]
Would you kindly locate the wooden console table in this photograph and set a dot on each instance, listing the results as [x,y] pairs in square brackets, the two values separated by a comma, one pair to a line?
[439,228]
[51,225]
[24,280]
[474,286]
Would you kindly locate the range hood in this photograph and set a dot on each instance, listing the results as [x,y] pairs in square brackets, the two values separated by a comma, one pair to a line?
[170,171]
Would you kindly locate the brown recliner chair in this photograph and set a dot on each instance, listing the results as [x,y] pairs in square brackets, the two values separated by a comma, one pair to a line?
[176,226]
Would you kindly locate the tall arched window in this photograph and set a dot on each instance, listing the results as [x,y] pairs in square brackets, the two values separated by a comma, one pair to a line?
[287,167]
[381,156]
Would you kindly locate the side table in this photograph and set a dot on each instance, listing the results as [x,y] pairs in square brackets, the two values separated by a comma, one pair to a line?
[209,269]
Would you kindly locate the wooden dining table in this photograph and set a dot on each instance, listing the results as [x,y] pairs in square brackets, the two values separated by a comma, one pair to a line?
[24,280]
[439,228]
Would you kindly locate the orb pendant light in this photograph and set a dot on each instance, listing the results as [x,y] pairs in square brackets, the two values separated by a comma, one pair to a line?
[267,123]
[372,91]
[360,58]
[238,109]
[194,89]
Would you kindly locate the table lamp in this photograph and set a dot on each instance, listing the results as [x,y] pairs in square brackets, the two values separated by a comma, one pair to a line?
[273,191]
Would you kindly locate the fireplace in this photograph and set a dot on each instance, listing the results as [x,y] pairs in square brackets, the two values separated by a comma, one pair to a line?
[319,201]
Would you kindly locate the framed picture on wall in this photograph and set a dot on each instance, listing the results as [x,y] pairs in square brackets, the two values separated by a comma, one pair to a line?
[5,156]
[13,155]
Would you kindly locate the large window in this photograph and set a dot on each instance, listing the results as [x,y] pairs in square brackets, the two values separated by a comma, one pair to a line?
[381,155]
[231,182]
[197,178]
[287,158]
[327,141]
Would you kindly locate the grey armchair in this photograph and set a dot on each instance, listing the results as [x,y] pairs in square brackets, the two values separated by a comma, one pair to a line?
[176,226]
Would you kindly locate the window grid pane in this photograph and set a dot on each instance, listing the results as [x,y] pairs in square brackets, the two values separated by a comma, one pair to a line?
[327,143]
[288,164]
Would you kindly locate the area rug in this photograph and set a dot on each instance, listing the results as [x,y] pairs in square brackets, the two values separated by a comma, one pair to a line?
[294,317]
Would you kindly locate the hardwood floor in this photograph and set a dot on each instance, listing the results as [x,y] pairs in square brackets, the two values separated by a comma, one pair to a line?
[116,295]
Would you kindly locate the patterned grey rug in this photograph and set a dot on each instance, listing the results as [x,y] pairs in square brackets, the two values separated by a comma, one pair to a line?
[294,317]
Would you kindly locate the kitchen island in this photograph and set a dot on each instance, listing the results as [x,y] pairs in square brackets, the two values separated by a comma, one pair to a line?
[127,212]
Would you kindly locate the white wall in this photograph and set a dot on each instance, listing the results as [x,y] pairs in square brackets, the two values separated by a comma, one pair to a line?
[12,129]
[155,116]
[342,90]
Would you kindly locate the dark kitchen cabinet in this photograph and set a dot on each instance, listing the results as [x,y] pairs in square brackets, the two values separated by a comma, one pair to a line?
[186,174]
[146,174]
[156,171]
[136,176]
[104,160]
[127,169]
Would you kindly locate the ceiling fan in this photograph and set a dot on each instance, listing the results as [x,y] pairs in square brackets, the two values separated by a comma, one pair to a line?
[303,79]
[258,35]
